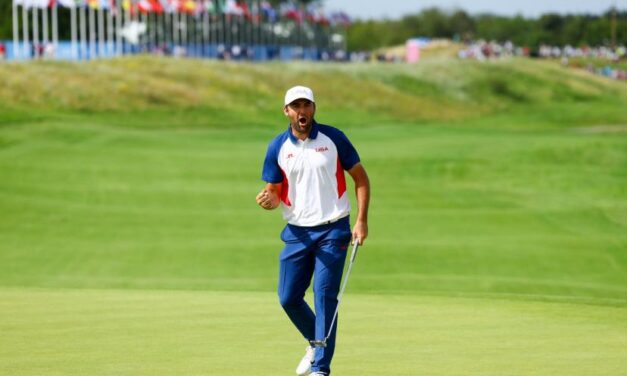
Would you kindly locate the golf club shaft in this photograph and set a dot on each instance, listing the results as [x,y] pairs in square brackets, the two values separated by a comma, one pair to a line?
[339,298]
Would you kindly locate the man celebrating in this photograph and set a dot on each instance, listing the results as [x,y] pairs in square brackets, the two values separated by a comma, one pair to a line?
[304,171]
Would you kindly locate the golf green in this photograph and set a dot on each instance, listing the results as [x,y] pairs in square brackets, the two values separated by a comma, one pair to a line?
[104,332]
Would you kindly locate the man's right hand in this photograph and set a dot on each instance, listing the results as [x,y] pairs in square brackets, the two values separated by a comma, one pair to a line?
[267,199]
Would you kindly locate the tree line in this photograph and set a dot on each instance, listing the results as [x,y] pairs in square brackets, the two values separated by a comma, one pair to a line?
[550,28]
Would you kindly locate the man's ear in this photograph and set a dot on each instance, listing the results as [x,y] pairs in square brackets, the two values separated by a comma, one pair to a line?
[285,111]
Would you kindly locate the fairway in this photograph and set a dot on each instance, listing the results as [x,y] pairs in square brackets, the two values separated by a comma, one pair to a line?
[131,244]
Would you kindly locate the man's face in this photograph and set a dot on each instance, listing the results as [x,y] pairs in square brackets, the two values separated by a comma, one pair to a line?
[301,114]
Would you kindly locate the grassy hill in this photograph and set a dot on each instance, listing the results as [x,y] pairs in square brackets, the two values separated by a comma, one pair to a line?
[130,242]
[208,93]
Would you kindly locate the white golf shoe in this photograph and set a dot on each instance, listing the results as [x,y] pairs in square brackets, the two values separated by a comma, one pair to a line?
[304,367]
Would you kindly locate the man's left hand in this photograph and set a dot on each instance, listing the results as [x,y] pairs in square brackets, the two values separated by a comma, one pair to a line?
[360,232]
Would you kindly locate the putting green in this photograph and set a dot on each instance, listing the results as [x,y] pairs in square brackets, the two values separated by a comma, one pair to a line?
[119,332]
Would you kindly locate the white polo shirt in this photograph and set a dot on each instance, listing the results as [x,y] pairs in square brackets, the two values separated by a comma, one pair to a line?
[312,174]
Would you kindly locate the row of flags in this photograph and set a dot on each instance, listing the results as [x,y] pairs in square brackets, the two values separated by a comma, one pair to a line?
[251,10]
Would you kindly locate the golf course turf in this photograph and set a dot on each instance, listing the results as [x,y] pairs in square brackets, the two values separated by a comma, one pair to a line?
[131,244]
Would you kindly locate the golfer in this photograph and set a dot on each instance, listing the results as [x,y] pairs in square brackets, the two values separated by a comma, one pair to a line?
[304,171]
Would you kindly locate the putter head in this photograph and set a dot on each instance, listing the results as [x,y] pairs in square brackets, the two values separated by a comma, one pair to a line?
[318,343]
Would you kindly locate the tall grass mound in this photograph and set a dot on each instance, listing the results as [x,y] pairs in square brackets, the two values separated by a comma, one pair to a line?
[209,93]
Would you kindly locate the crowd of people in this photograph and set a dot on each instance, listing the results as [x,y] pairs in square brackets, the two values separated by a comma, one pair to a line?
[589,55]
[483,50]
[608,71]
[602,52]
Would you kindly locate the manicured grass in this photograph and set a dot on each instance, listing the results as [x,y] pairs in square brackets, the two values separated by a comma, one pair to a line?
[130,242]
[104,332]
[454,210]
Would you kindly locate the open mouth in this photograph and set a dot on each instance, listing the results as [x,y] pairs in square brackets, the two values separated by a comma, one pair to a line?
[302,120]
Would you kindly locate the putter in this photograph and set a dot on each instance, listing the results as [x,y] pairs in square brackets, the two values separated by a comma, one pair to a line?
[323,342]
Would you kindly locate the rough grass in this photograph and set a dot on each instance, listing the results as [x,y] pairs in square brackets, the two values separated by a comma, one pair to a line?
[436,90]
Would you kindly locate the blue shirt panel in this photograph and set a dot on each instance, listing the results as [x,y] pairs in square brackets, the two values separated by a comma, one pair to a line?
[346,151]
[271,172]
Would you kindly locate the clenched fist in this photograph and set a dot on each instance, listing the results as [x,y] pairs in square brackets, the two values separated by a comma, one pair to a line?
[268,200]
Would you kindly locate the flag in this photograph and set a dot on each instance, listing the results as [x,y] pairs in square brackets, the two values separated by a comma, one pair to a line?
[94,4]
[67,3]
[268,11]
[150,6]
[144,6]
[315,14]
[39,3]
[156,6]
[128,6]
[231,7]
[187,6]
[244,10]
[291,11]
[170,6]
[340,18]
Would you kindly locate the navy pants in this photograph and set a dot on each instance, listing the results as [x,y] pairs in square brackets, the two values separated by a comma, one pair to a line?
[318,252]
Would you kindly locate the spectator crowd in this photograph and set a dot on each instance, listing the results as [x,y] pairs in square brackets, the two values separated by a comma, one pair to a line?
[483,50]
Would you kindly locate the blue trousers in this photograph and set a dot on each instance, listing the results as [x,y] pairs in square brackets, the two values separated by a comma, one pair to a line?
[318,252]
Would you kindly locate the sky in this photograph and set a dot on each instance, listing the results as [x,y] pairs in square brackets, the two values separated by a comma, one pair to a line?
[377,9]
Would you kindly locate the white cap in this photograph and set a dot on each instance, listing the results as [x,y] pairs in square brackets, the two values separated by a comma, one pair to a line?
[298,92]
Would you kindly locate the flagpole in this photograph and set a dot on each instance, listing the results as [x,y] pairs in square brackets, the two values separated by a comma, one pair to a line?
[163,40]
[55,28]
[127,20]
[159,31]
[241,34]
[222,28]
[118,24]
[73,32]
[198,33]
[44,16]
[83,31]
[206,34]
[184,31]
[167,26]
[149,32]
[101,31]
[226,26]
[92,33]
[154,36]
[16,37]
[175,30]
[36,31]
[25,49]
[110,50]
[190,33]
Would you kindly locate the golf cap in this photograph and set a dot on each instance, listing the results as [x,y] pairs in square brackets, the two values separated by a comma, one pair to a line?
[298,92]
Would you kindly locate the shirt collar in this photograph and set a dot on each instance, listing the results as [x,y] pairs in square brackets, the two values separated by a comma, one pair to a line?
[312,135]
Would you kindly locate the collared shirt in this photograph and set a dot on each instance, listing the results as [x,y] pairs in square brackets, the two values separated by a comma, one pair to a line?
[311,173]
